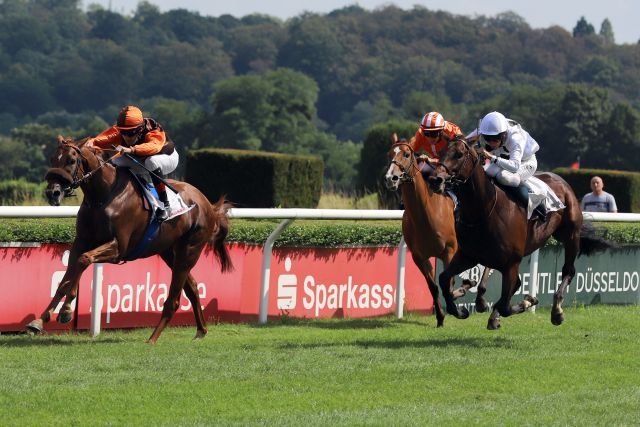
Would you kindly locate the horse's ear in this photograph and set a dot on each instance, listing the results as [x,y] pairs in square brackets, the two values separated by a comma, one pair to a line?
[60,139]
[394,138]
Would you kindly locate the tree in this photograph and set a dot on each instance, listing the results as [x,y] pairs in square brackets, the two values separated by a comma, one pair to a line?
[583,111]
[583,28]
[606,32]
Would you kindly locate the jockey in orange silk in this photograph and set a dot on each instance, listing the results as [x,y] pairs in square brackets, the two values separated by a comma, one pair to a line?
[145,139]
[432,136]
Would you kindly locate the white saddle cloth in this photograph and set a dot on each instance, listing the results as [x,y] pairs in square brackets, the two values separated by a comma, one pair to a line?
[541,193]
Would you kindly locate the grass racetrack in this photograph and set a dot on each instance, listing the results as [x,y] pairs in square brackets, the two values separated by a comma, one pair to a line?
[335,372]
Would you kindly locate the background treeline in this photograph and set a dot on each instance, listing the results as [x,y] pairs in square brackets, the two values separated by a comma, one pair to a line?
[313,84]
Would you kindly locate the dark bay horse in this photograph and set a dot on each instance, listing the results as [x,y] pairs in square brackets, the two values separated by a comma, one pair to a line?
[493,230]
[112,221]
[427,224]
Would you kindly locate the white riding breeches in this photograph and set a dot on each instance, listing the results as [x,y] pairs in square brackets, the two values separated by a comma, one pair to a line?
[513,179]
[166,162]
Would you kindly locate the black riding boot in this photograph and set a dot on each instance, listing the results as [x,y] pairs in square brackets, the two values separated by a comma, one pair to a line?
[162,213]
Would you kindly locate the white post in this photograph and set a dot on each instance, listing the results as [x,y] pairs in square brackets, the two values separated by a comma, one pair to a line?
[94,328]
[533,275]
[266,270]
[402,256]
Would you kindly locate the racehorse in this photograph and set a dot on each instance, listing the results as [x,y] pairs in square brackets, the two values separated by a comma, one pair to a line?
[427,224]
[112,221]
[493,230]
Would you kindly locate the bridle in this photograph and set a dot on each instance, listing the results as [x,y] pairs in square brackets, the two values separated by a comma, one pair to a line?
[406,172]
[76,179]
[455,180]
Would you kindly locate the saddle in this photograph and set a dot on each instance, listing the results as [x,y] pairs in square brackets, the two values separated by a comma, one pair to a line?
[535,196]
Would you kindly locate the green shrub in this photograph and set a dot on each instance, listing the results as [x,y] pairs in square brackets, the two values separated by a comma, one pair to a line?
[625,186]
[18,192]
[252,179]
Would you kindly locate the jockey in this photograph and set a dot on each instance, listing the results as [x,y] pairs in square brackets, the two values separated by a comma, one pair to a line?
[432,136]
[510,149]
[145,139]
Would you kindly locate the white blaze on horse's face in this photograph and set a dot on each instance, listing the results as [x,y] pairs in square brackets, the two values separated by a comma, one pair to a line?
[392,177]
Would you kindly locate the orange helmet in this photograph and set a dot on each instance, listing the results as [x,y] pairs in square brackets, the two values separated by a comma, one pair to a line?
[432,121]
[130,117]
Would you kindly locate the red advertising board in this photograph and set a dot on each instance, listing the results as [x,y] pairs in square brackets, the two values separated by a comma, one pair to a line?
[304,282]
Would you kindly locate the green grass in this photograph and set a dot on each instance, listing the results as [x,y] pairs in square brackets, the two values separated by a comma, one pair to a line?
[335,372]
[345,201]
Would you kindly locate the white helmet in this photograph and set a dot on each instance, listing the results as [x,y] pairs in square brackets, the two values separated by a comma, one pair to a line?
[493,123]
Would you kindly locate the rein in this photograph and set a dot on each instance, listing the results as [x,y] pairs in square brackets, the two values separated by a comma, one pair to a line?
[68,190]
[455,181]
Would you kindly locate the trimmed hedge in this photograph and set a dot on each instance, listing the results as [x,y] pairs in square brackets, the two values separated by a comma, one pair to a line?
[625,186]
[256,179]
[308,233]
[17,192]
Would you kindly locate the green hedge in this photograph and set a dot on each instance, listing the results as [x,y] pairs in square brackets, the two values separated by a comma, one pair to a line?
[625,186]
[324,233]
[252,179]
[19,192]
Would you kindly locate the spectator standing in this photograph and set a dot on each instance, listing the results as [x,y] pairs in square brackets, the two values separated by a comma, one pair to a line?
[598,200]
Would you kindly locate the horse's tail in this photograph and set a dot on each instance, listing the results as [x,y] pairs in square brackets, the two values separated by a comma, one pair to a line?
[217,240]
[592,240]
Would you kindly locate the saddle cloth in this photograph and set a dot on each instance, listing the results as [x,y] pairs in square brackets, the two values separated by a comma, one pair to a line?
[541,194]
[177,206]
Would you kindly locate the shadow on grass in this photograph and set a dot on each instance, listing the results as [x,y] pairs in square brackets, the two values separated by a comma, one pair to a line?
[25,340]
[337,324]
[466,342]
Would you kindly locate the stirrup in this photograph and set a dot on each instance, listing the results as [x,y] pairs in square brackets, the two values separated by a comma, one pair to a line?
[161,214]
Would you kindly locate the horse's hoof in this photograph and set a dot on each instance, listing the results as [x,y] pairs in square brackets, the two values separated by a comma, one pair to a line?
[35,327]
[493,324]
[463,313]
[481,305]
[200,335]
[532,300]
[557,318]
[64,317]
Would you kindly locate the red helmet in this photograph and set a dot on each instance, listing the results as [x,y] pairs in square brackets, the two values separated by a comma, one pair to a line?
[432,121]
[130,117]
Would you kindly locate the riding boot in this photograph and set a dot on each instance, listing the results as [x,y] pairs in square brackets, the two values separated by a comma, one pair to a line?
[162,213]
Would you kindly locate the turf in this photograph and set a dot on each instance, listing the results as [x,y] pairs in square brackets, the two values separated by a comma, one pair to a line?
[335,372]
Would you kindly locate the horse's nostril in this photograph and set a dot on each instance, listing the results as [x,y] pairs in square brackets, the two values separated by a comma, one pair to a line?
[56,193]
[394,178]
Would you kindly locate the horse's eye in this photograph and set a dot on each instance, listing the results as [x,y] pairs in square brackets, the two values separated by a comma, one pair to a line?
[406,155]
[70,161]
[457,155]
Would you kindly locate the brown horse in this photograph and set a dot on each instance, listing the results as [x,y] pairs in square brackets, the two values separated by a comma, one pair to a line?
[493,230]
[112,221]
[427,224]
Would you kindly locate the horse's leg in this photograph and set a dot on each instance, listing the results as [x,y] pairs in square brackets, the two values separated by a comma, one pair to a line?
[185,256]
[424,265]
[191,290]
[568,272]
[481,303]
[458,264]
[68,287]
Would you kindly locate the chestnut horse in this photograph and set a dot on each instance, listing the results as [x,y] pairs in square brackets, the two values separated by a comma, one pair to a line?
[427,224]
[112,221]
[493,230]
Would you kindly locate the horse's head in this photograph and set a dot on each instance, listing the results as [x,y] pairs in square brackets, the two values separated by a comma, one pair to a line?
[455,166]
[65,168]
[403,165]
